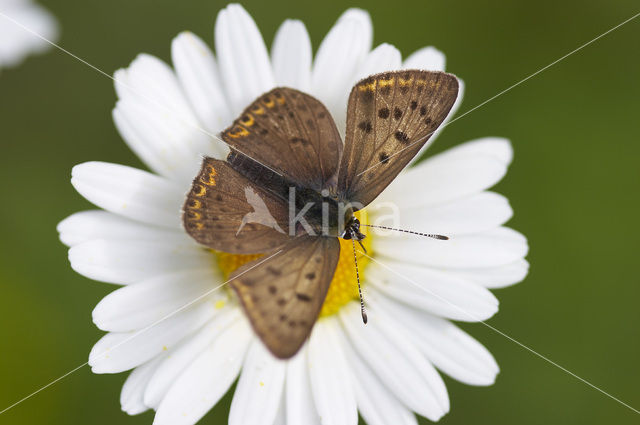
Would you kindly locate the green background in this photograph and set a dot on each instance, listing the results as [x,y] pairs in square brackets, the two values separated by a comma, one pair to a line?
[573,185]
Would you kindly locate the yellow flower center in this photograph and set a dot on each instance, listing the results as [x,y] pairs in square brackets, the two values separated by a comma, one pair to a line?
[344,286]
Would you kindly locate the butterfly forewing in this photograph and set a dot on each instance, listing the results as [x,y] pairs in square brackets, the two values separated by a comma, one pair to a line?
[291,133]
[283,295]
[390,117]
[227,212]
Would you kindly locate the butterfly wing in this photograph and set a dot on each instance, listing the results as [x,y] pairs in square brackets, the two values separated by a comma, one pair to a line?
[283,295]
[227,212]
[291,133]
[390,117]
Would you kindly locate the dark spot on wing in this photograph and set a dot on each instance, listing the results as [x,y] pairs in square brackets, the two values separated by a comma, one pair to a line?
[303,297]
[310,276]
[423,110]
[401,136]
[274,271]
[414,105]
[365,126]
[383,113]
[281,302]
[397,113]
[272,289]
[384,158]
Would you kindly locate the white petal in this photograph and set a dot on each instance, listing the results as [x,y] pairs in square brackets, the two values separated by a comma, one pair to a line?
[435,291]
[97,224]
[259,391]
[291,56]
[130,192]
[300,408]
[131,397]
[446,177]
[376,403]
[242,56]
[125,262]
[15,42]
[206,379]
[151,80]
[281,417]
[139,305]
[427,58]
[473,214]
[337,61]
[450,349]
[383,58]
[156,120]
[496,147]
[197,72]
[496,277]
[184,354]
[329,376]
[495,247]
[397,362]
[117,352]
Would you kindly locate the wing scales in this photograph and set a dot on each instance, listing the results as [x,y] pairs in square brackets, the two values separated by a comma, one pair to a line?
[283,295]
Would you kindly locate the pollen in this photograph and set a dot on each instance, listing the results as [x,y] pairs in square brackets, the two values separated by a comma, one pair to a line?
[344,285]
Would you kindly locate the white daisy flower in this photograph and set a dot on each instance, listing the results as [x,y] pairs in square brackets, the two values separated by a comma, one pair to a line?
[15,42]
[182,366]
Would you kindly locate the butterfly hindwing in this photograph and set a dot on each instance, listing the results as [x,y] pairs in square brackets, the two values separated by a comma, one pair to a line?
[227,212]
[390,117]
[283,295]
[291,133]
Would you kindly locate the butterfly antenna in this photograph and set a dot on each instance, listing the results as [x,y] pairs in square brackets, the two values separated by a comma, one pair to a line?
[355,260]
[362,245]
[429,235]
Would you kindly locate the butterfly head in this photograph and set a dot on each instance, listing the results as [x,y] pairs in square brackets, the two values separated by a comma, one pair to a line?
[352,230]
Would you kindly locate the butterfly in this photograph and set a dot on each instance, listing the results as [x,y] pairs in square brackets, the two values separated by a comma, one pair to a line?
[289,186]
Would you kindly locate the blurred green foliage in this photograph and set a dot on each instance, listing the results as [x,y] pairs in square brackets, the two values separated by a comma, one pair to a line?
[573,185]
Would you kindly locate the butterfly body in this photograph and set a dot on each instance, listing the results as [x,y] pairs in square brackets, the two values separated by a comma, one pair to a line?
[290,187]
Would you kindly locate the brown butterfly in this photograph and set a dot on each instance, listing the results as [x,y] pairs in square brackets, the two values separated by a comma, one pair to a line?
[301,195]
